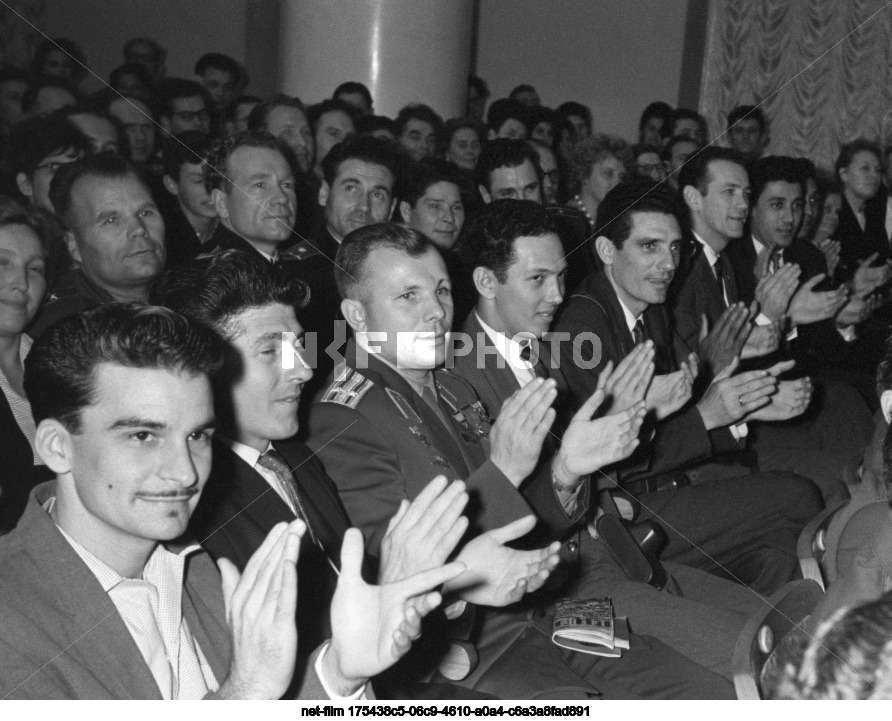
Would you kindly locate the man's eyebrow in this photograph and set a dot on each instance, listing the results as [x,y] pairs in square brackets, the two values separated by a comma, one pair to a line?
[137,422]
[266,337]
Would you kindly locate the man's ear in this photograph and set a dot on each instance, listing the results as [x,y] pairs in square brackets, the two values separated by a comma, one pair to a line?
[485,282]
[605,249]
[484,193]
[218,197]
[71,246]
[405,211]
[354,313]
[24,184]
[324,190]
[886,405]
[692,198]
[170,185]
[53,443]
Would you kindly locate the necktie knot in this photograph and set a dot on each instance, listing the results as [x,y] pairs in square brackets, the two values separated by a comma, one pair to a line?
[638,333]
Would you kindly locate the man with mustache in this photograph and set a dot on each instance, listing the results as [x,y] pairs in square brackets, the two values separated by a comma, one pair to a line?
[114,231]
[744,527]
[391,419]
[102,594]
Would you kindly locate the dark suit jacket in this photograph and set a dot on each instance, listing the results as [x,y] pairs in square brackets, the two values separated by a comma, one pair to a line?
[381,443]
[857,244]
[595,310]
[61,636]
[73,293]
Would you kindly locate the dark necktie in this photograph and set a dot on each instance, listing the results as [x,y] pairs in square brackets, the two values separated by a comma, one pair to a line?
[538,367]
[720,278]
[774,262]
[638,334]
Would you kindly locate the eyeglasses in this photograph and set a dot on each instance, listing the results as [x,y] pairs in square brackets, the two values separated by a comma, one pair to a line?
[190,116]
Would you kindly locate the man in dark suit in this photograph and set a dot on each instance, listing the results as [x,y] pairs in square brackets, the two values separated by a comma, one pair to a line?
[103,595]
[392,419]
[743,527]
[518,270]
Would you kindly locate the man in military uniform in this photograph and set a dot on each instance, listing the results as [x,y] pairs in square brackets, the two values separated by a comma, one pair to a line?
[388,423]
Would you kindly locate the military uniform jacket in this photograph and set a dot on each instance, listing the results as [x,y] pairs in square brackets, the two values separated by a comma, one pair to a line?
[381,443]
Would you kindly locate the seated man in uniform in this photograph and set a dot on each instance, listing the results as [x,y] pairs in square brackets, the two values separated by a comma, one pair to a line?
[389,421]
[101,595]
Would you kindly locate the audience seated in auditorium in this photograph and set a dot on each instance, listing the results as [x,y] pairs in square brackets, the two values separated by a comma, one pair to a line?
[418,130]
[462,140]
[181,105]
[648,163]
[508,169]
[653,126]
[506,119]
[748,132]
[357,95]
[219,75]
[689,123]
[332,123]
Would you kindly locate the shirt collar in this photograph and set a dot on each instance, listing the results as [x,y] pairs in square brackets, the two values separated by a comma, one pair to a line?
[509,348]
[631,320]
[707,251]
[758,245]
[246,453]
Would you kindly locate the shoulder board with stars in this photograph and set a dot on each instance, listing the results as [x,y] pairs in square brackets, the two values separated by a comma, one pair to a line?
[349,390]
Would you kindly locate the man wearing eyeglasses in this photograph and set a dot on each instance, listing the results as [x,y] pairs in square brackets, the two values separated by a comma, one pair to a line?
[182,105]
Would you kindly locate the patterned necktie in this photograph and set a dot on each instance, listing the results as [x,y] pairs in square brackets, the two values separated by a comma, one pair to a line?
[273,461]
[720,278]
[638,334]
[774,261]
[538,367]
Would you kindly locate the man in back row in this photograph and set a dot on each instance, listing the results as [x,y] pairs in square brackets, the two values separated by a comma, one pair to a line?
[102,598]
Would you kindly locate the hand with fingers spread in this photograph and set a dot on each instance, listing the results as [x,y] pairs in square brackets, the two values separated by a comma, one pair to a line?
[731,397]
[588,445]
[726,340]
[810,306]
[762,340]
[830,249]
[626,385]
[670,392]
[867,278]
[517,435]
[498,575]
[774,291]
[424,533]
[374,626]
[790,400]
[260,609]
[857,309]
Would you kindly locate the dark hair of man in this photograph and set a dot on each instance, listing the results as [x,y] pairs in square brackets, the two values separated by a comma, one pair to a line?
[315,112]
[616,211]
[657,109]
[695,171]
[353,88]
[518,89]
[771,169]
[688,114]
[190,147]
[828,184]
[106,165]
[571,107]
[748,111]
[65,45]
[368,124]
[640,149]
[592,150]
[34,139]
[170,89]
[427,172]
[135,69]
[60,370]
[368,149]
[29,97]
[489,238]
[538,114]
[455,124]
[217,171]
[260,114]
[479,85]
[503,110]
[419,111]
[358,245]
[231,111]
[675,140]
[160,53]
[848,152]
[11,72]
[215,288]
[218,61]
[503,153]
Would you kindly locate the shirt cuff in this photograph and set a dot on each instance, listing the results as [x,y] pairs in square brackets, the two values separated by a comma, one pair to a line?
[739,430]
[848,333]
[763,319]
[569,499]
[359,695]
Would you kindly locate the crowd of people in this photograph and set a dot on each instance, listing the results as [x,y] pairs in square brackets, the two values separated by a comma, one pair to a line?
[528,361]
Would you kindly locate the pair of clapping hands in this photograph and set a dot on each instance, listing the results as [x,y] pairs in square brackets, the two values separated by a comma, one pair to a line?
[373,626]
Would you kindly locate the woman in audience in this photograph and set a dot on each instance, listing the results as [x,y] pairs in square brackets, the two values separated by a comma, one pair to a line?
[850,657]
[23,260]
[599,163]
[462,139]
[653,127]
[830,192]
[861,229]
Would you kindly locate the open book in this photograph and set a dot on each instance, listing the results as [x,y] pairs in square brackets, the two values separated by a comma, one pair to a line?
[589,626]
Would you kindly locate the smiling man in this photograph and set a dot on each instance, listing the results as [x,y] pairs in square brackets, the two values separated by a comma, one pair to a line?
[508,169]
[252,189]
[432,202]
[113,230]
